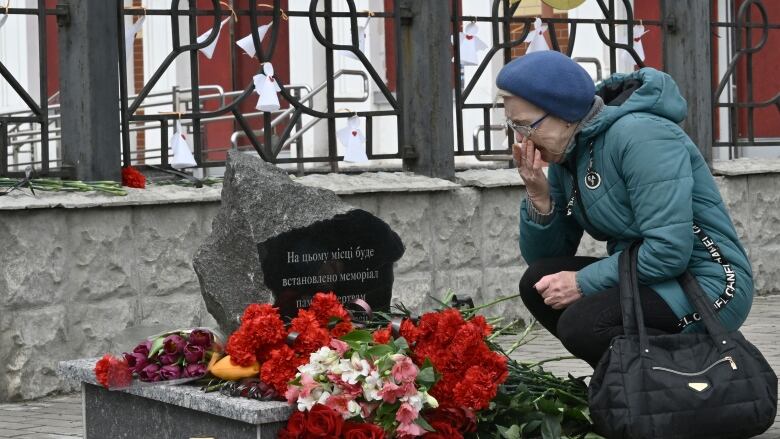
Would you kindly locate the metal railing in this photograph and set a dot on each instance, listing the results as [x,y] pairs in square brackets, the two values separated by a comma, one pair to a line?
[263,137]
[37,110]
[504,21]
[31,136]
[735,91]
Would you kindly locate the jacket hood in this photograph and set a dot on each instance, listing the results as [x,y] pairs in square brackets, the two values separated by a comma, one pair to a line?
[647,91]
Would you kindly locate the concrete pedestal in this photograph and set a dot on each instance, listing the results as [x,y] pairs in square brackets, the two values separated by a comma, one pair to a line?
[167,412]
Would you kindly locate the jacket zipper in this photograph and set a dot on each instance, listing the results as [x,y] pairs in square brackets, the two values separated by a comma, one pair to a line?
[692,374]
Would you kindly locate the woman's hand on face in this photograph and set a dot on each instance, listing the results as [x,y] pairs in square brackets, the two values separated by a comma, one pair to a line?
[529,164]
[559,290]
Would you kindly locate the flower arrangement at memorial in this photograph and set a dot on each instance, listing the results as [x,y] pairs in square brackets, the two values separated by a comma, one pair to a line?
[440,375]
[171,358]
[437,376]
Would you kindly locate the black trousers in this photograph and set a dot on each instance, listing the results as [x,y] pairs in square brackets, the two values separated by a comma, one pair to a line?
[588,325]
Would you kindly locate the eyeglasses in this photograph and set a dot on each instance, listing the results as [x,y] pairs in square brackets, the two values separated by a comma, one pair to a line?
[526,130]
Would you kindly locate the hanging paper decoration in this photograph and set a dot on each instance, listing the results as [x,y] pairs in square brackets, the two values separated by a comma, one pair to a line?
[182,157]
[535,39]
[361,41]
[471,45]
[354,141]
[248,45]
[267,87]
[627,61]
[208,51]
[130,34]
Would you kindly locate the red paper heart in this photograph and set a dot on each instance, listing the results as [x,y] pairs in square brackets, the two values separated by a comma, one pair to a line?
[469,37]
[354,133]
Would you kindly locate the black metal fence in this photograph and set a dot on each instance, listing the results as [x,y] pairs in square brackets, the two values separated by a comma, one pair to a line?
[25,133]
[272,133]
[735,91]
[504,21]
[747,29]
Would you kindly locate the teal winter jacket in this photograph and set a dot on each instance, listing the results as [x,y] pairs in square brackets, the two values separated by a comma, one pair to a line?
[655,186]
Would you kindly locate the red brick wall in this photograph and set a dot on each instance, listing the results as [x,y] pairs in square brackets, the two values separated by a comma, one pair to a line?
[561,31]
[137,76]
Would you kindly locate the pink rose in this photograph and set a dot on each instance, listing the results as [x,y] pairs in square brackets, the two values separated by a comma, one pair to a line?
[406,414]
[404,370]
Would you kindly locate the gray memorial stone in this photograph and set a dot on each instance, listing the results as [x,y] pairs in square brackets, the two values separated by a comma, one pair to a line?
[276,241]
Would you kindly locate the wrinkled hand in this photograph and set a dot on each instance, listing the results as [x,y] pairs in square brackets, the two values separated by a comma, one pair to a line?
[529,164]
[559,290]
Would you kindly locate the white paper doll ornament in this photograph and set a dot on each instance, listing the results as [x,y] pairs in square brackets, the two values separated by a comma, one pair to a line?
[182,157]
[354,141]
[471,45]
[266,86]
[535,39]
[248,45]
[627,61]
[208,51]
[130,34]
[361,31]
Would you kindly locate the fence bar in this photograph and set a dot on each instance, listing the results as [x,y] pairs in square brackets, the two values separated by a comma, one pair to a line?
[427,102]
[687,49]
[90,137]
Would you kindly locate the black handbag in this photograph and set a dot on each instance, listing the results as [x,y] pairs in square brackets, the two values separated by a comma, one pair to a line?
[712,385]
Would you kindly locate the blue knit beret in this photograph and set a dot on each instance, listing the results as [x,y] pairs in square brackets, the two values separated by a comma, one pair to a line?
[552,81]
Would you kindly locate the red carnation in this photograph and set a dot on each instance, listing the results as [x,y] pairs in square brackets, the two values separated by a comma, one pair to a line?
[326,307]
[257,310]
[112,372]
[381,336]
[241,348]
[131,177]
[476,390]
[341,329]
[409,331]
[281,368]
[261,327]
[311,336]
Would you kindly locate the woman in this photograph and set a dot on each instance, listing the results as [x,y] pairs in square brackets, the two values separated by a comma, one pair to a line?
[621,169]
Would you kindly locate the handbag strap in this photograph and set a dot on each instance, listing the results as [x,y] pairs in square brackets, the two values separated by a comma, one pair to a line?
[631,306]
[633,318]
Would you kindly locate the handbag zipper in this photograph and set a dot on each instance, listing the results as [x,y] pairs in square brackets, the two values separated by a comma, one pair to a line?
[691,374]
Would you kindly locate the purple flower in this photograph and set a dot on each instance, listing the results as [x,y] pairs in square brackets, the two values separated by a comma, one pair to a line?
[170,372]
[150,373]
[201,337]
[136,361]
[143,348]
[195,370]
[193,353]
[166,359]
[174,344]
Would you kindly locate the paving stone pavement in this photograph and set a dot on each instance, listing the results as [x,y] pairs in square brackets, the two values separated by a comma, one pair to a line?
[60,417]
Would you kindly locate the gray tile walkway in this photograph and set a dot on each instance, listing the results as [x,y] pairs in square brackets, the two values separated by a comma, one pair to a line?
[59,417]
